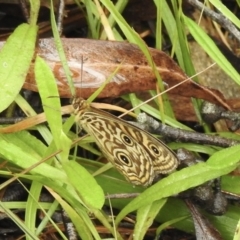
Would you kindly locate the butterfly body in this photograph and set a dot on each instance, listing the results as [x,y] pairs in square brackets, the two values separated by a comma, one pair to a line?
[139,156]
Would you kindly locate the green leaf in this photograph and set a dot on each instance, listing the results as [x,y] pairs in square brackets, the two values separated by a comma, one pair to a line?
[60,50]
[226,12]
[225,158]
[49,95]
[170,24]
[181,181]
[32,206]
[34,11]
[17,221]
[211,49]
[15,150]
[51,103]
[85,184]
[83,229]
[145,218]
[230,184]
[15,59]
[237,232]
[173,211]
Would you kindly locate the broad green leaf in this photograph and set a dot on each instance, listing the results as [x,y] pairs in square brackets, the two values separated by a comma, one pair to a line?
[230,184]
[15,59]
[25,157]
[49,95]
[85,184]
[184,179]
[27,142]
[51,103]
[225,158]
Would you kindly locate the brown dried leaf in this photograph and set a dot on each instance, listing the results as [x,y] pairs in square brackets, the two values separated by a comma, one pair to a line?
[101,58]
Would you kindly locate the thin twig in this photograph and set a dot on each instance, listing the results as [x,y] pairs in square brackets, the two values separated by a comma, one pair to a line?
[24,9]
[217,17]
[180,135]
[60,16]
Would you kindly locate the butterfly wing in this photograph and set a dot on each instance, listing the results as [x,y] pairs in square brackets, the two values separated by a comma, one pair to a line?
[117,143]
[135,153]
[163,158]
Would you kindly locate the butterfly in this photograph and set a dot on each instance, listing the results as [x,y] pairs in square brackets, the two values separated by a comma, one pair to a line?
[135,153]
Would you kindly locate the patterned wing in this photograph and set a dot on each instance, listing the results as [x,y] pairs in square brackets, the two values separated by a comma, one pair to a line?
[120,147]
[134,152]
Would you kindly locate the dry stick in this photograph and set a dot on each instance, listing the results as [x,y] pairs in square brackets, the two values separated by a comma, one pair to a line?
[60,16]
[180,135]
[217,17]
[69,227]
[24,9]
[121,195]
